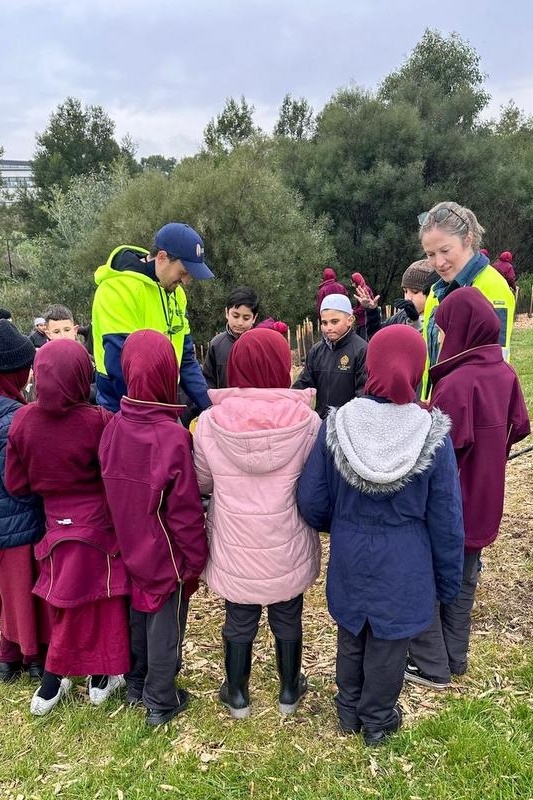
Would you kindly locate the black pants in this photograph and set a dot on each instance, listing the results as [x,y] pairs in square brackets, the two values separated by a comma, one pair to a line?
[442,649]
[242,620]
[156,646]
[369,678]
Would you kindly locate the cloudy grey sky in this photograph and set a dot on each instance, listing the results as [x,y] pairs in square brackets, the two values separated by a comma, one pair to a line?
[163,68]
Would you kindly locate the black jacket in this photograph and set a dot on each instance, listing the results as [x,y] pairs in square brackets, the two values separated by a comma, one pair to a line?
[216,360]
[337,371]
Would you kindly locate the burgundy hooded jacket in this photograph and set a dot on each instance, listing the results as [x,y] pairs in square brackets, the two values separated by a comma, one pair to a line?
[149,477]
[482,395]
[53,451]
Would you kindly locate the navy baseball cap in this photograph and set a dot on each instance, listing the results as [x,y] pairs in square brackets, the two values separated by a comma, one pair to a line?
[181,241]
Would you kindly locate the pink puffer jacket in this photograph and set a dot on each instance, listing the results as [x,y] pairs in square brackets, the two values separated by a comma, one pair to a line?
[249,450]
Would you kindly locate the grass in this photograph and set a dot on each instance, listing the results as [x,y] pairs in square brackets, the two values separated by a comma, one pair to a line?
[475,741]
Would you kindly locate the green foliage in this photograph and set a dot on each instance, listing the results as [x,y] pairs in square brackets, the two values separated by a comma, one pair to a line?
[77,141]
[233,126]
[165,165]
[442,79]
[295,118]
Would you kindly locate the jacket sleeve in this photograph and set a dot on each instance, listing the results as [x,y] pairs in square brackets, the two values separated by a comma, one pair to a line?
[191,377]
[184,514]
[518,424]
[209,368]
[15,474]
[313,494]
[360,373]
[113,344]
[445,523]
[306,378]
[373,321]
[204,475]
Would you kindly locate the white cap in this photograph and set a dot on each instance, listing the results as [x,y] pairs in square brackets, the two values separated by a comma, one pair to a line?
[39,321]
[336,302]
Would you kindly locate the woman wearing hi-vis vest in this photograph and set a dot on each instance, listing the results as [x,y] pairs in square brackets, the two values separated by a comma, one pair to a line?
[451,237]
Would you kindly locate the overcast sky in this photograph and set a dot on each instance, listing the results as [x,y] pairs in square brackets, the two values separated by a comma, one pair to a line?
[162,69]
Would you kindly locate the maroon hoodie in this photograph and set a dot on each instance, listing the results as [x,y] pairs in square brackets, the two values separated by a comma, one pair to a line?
[329,286]
[53,451]
[482,395]
[149,477]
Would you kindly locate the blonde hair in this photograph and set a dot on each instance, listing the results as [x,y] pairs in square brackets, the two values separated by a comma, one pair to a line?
[460,222]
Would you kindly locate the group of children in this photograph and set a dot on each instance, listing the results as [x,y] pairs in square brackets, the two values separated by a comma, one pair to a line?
[125,541]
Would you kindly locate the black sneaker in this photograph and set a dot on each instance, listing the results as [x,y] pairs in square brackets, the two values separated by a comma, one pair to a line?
[414,675]
[155,717]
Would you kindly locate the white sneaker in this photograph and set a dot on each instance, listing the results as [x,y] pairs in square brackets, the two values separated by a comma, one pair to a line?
[39,706]
[97,696]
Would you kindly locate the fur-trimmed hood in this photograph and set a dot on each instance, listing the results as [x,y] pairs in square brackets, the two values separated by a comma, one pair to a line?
[379,447]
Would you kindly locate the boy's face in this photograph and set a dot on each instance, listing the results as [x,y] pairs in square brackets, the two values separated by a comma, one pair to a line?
[61,329]
[335,324]
[240,319]
[417,297]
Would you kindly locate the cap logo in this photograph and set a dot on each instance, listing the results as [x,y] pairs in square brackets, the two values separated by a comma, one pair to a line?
[199,250]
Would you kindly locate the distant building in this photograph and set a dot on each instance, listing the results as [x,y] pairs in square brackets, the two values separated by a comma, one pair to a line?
[14,175]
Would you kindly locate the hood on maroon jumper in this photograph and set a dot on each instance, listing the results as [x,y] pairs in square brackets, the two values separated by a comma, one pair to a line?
[468,320]
[12,384]
[395,361]
[63,374]
[150,368]
[260,359]
[506,256]
[357,279]
[329,274]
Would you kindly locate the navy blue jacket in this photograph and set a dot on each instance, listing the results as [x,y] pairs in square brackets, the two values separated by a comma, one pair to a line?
[21,518]
[391,553]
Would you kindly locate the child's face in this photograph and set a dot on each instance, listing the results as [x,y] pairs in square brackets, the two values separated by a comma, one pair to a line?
[240,319]
[335,324]
[417,298]
[61,329]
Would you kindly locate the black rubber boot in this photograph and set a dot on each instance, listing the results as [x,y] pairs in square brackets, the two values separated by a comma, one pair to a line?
[293,683]
[234,691]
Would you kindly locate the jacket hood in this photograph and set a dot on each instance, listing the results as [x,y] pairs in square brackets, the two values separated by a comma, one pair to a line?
[379,447]
[150,367]
[276,417]
[468,320]
[63,375]
[126,258]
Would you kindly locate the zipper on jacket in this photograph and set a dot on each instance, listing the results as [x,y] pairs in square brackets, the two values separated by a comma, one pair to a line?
[167,536]
[108,575]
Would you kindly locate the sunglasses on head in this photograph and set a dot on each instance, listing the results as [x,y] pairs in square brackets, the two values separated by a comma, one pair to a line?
[440,215]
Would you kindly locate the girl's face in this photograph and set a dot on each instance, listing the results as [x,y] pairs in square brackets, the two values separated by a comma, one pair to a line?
[447,253]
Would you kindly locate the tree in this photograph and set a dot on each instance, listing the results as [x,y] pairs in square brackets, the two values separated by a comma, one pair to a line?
[161,163]
[77,141]
[442,79]
[295,118]
[233,126]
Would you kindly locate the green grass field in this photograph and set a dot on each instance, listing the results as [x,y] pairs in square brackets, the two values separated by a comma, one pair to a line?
[474,741]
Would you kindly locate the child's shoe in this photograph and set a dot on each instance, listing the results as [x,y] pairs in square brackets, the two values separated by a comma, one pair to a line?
[98,694]
[155,717]
[293,682]
[379,737]
[234,691]
[10,671]
[413,674]
[39,706]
